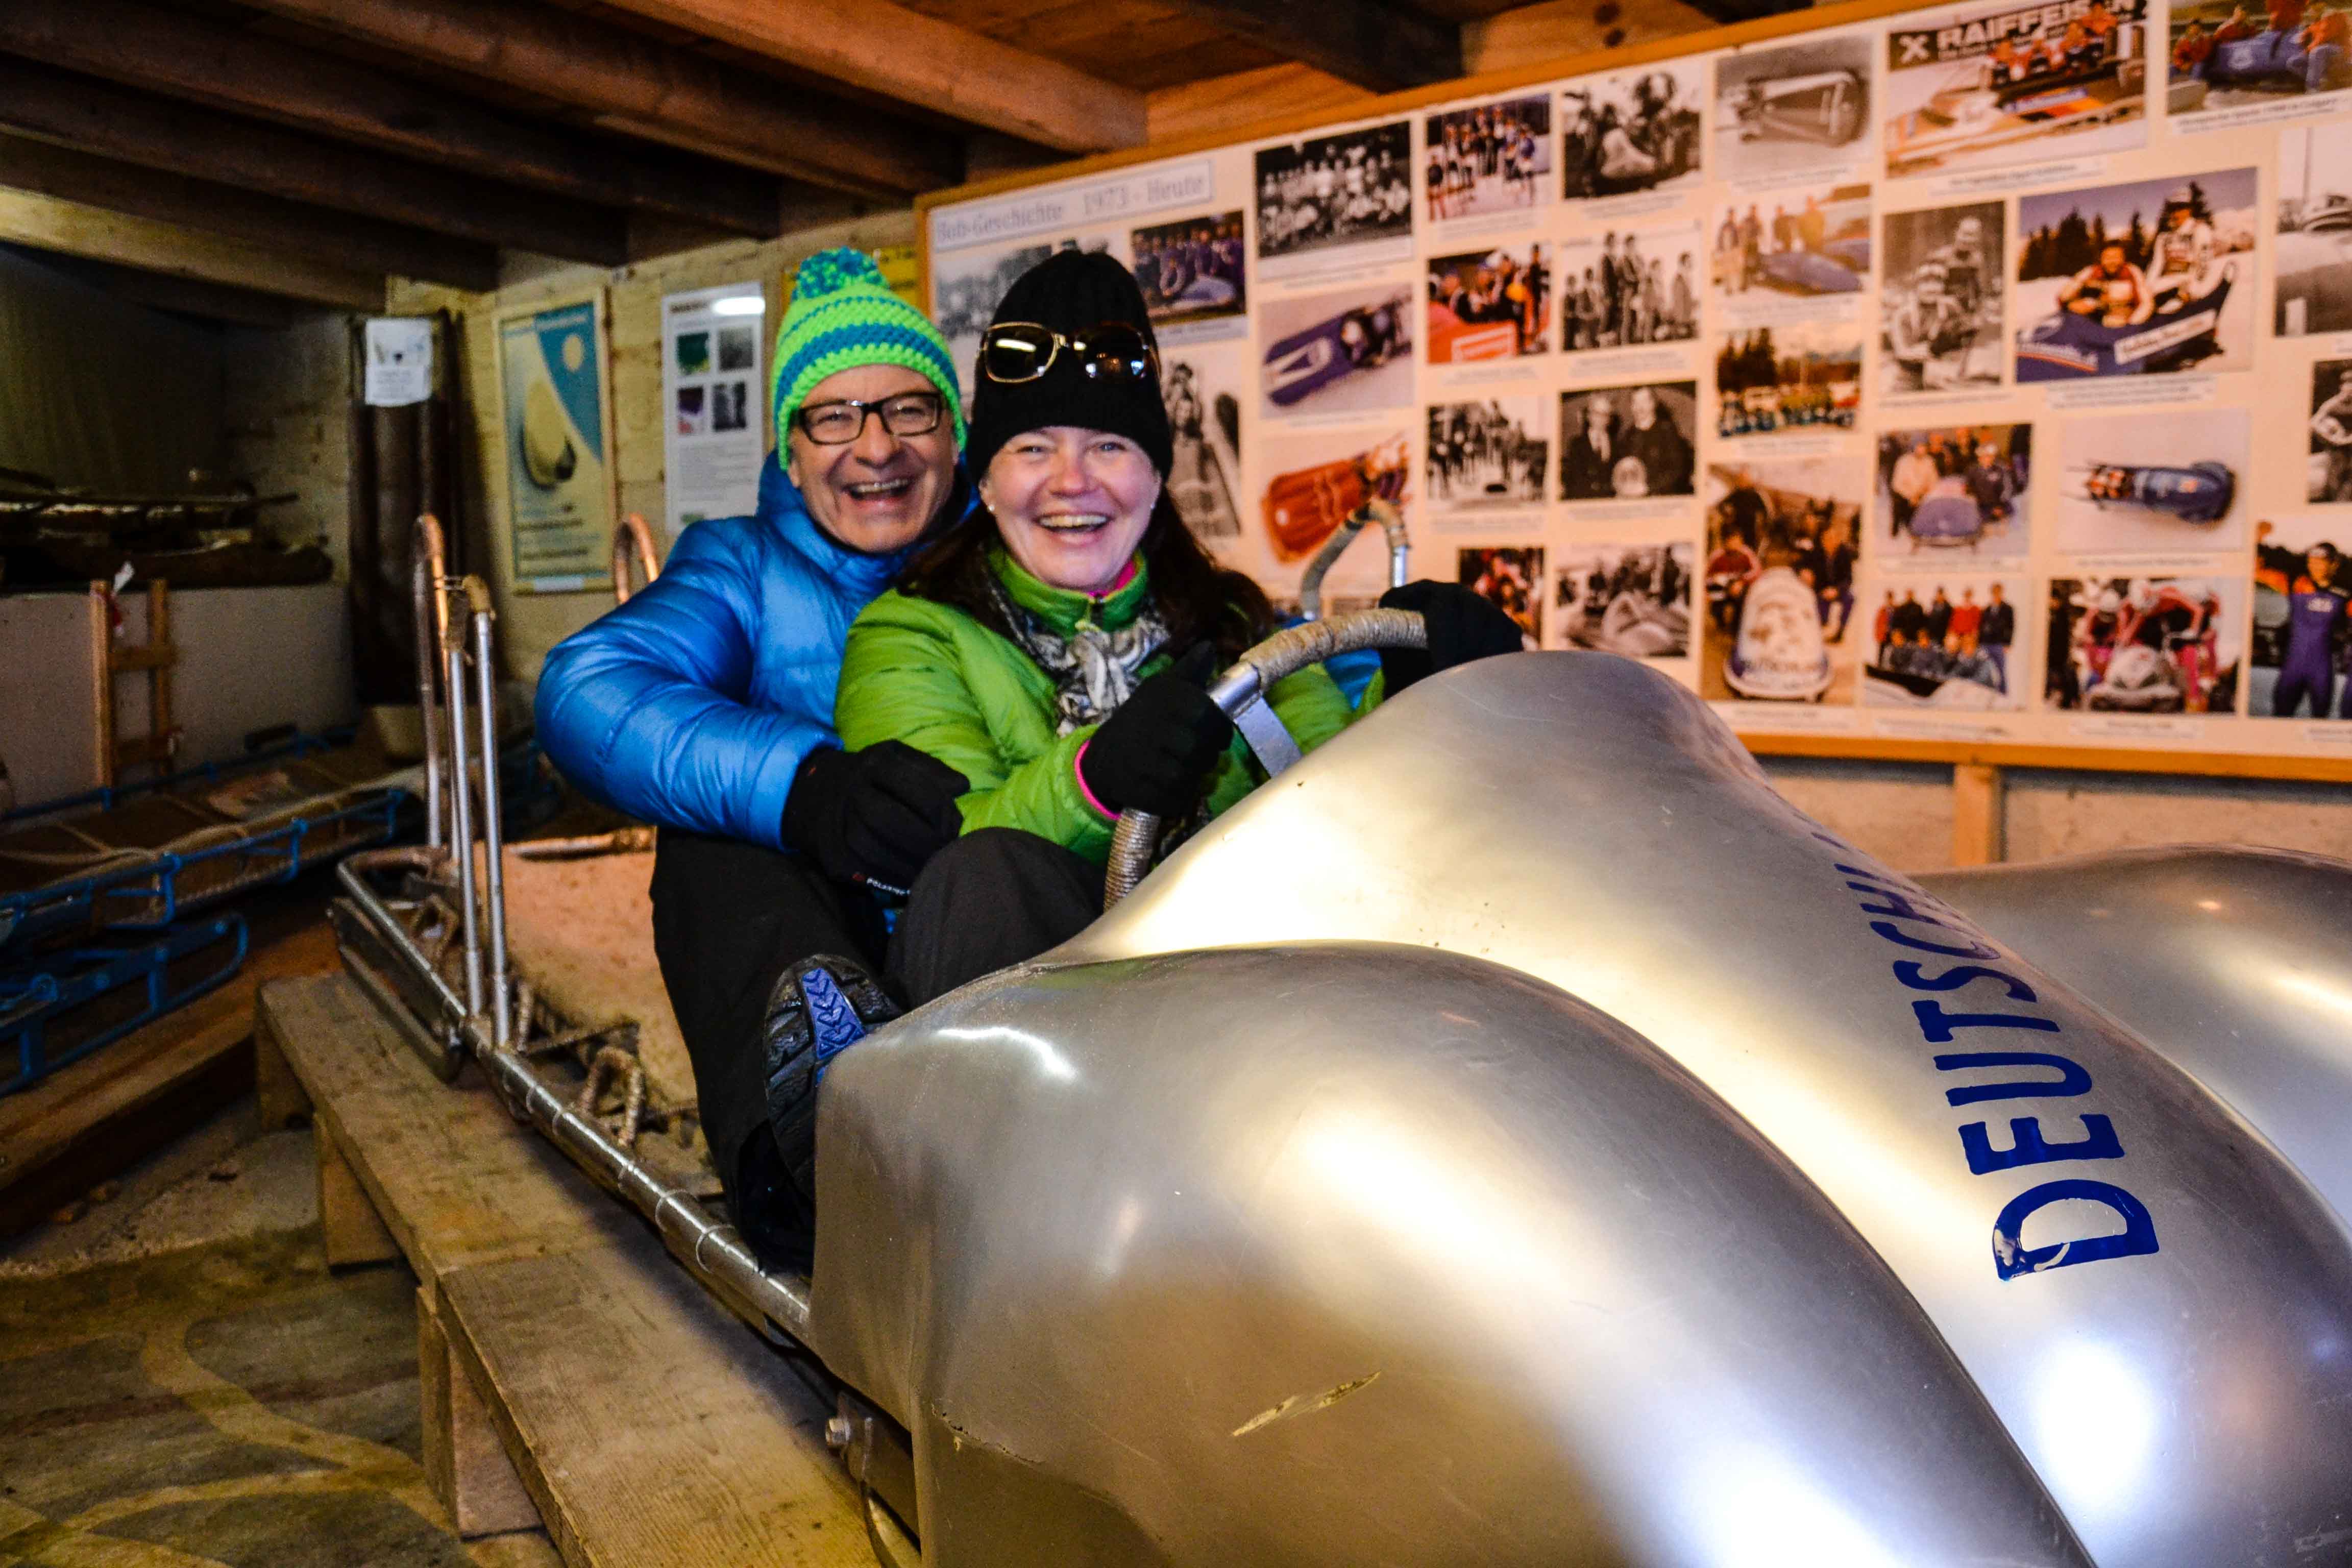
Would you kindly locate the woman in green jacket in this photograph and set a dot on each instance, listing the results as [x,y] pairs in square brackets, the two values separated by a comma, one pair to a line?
[1054,648]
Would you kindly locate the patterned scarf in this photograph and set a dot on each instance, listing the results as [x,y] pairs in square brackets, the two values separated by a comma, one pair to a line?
[1094,670]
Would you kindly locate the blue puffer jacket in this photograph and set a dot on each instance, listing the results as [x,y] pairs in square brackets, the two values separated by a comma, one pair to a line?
[692,705]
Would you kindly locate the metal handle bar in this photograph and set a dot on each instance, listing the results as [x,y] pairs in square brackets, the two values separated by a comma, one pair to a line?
[631,538]
[1392,521]
[1284,653]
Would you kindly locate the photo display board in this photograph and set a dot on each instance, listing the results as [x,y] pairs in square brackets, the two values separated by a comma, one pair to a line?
[1979,375]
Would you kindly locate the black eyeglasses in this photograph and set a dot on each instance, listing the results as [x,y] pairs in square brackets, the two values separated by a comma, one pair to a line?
[839,423]
[1014,351]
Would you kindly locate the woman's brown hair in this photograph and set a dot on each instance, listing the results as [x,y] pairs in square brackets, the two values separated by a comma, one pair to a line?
[1198,598]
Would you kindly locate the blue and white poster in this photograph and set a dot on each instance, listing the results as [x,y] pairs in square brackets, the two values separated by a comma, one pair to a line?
[552,377]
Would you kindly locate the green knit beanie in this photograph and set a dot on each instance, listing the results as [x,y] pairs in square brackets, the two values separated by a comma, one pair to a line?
[843,315]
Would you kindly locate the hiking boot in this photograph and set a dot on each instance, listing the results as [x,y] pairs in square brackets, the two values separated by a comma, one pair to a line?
[820,1007]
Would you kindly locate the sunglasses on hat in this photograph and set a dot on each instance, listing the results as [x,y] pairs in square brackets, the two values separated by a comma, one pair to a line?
[1013,352]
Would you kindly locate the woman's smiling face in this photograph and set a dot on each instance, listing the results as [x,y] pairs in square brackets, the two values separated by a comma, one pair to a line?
[1071,504]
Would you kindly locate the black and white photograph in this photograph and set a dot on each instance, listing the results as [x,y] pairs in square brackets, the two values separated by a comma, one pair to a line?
[1947,641]
[1488,454]
[739,347]
[1631,132]
[1495,158]
[1981,86]
[2144,278]
[1191,270]
[1490,304]
[1339,352]
[2161,482]
[1954,491]
[2313,254]
[1781,562]
[1633,600]
[1201,386]
[2300,648]
[1940,299]
[1792,378]
[1511,578]
[968,286]
[1350,190]
[1623,443]
[729,402]
[1785,108]
[1626,287]
[2143,645]
[2327,472]
[1804,243]
[2243,56]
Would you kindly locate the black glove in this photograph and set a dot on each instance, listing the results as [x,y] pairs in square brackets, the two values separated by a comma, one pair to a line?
[1155,753]
[1462,626]
[879,814]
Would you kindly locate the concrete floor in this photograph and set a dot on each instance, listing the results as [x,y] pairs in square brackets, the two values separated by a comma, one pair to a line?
[183,1382]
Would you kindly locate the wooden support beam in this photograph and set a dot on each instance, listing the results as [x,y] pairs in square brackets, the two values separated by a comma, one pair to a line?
[344,239]
[464,1464]
[1979,825]
[183,296]
[914,59]
[187,57]
[205,145]
[1376,44]
[352,1233]
[633,85]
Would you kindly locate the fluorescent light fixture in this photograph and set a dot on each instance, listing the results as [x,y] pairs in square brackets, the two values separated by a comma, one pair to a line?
[739,305]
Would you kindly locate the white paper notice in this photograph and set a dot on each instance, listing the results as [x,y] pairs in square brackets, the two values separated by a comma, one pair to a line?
[399,360]
[714,403]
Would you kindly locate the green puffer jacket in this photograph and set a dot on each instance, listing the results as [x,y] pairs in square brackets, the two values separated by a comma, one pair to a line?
[931,675]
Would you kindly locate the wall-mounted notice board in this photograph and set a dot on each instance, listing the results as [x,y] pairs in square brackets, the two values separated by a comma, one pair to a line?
[1967,384]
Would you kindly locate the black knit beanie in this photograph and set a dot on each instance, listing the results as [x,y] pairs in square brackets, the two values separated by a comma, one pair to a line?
[1068,292]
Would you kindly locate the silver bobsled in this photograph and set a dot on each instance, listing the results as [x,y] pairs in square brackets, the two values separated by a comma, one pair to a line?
[1519,1136]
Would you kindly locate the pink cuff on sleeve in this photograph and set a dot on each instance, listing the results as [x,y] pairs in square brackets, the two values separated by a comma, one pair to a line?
[1078,771]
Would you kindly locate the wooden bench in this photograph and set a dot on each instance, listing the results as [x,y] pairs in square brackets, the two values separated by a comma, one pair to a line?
[573,1374]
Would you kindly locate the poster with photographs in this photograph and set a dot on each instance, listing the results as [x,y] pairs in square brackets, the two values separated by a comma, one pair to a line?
[2161,482]
[1627,443]
[1788,378]
[1490,304]
[1202,386]
[2327,473]
[1976,86]
[2302,641]
[1626,287]
[2312,257]
[1340,352]
[1192,277]
[2142,278]
[1785,108]
[1342,200]
[1633,600]
[1954,492]
[1780,562]
[1948,641]
[1940,304]
[2144,645]
[1487,455]
[1316,482]
[1631,133]
[1807,243]
[1488,161]
[2237,62]
[1511,578]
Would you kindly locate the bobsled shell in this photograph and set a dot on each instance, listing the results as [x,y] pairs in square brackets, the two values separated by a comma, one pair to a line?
[2161,1336]
[1400,1270]
[1779,651]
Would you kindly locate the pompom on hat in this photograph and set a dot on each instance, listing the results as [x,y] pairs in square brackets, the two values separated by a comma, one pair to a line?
[844,315]
[1068,292]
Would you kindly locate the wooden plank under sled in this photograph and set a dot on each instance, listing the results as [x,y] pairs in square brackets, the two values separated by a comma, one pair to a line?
[644,1423]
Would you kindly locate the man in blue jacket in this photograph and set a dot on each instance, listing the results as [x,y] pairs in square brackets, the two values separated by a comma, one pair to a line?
[705,704]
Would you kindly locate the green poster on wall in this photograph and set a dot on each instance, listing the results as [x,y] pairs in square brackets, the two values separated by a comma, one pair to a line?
[555,405]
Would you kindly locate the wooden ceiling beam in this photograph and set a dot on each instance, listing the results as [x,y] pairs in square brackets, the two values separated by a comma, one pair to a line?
[1382,44]
[368,244]
[205,145]
[230,67]
[73,229]
[635,85]
[914,59]
[184,296]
